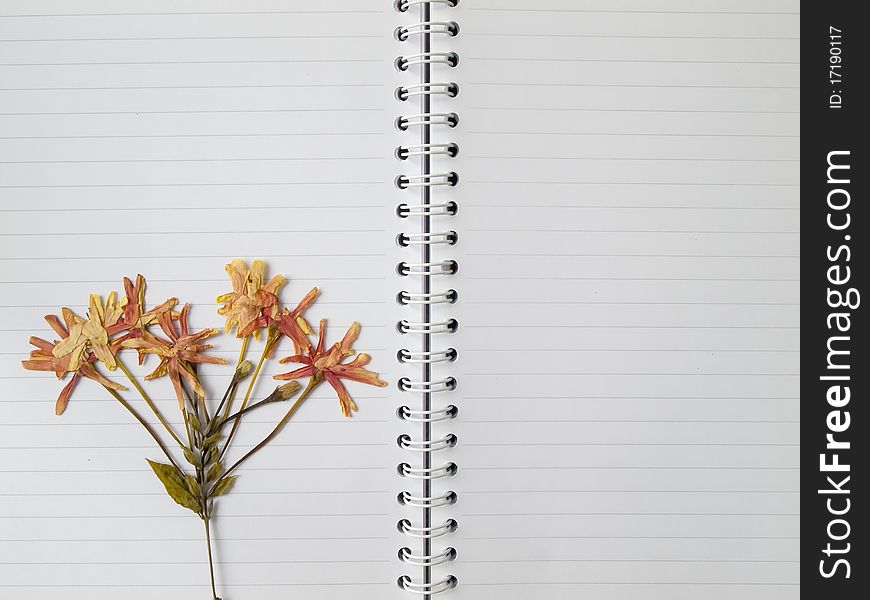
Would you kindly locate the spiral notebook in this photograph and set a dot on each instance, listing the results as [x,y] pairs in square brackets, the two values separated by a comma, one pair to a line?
[569,229]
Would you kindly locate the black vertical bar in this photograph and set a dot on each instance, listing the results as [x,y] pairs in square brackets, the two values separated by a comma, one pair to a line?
[834,222]
[425,138]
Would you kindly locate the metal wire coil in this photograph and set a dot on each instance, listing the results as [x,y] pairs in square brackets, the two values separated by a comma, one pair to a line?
[423,61]
[447,583]
[427,416]
[427,560]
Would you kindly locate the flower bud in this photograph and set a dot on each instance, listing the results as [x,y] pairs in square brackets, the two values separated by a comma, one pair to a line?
[288,389]
[244,369]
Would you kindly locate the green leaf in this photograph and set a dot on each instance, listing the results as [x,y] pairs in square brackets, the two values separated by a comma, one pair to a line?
[223,486]
[215,471]
[191,457]
[175,486]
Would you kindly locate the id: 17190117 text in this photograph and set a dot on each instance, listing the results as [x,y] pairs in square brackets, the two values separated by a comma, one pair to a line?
[835,63]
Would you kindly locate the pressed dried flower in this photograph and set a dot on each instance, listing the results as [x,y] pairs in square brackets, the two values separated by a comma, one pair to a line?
[292,324]
[178,354]
[44,359]
[252,298]
[253,305]
[328,364]
[135,317]
[103,321]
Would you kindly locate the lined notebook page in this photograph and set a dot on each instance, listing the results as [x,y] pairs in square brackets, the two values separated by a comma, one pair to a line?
[166,138]
[628,366]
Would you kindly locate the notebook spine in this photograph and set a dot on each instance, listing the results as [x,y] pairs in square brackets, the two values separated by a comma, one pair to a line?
[425,214]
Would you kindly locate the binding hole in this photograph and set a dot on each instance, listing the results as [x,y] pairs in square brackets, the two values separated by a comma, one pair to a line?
[452,267]
[452,90]
[401,34]
[402,269]
[402,153]
[400,63]
[452,237]
[452,354]
[452,326]
[452,440]
[452,296]
[453,58]
[452,28]
[402,240]
[400,299]
[401,93]
[453,150]
[453,178]
[450,384]
[452,411]
[452,208]
[402,211]
[404,383]
[402,468]
[452,120]
[402,182]
[402,123]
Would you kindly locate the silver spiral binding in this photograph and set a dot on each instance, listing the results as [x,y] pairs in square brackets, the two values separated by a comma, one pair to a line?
[427,416]
[426,185]
[426,209]
[427,119]
[446,555]
[448,583]
[406,356]
[450,59]
[406,152]
[448,297]
[445,499]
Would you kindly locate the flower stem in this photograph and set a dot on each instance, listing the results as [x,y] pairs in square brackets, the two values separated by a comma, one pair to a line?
[145,424]
[148,401]
[230,395]
[210,560]
[312,383]
[247,394]
[248,409]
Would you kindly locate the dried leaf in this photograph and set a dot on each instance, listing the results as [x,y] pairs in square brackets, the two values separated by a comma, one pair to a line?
[194,422]
[212,455]
[223,486]
[211,440]
[175,486]
[215,471]
[192,485]
[191,457]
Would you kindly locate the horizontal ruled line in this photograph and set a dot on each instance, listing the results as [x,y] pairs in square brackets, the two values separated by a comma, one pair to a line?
[197,62]
[629,36]
[193,111]
[630,61]
[193,13]
[629,12]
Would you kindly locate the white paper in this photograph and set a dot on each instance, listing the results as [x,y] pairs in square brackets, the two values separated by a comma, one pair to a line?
[628,365]
[166,138]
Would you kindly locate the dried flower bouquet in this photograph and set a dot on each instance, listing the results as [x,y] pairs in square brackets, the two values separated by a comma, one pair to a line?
[252,308]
